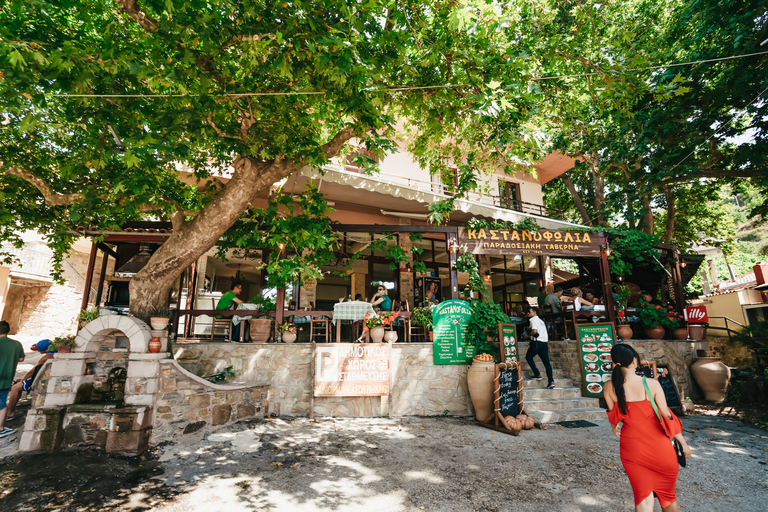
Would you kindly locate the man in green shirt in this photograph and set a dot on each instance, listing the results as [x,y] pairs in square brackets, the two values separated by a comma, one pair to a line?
[11,354]
[226,301]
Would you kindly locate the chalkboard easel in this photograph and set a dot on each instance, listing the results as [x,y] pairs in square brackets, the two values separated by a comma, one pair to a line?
[670,390]
[507,396]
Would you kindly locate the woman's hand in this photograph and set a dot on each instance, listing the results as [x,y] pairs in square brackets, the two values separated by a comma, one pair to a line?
[686,450]
[617,430]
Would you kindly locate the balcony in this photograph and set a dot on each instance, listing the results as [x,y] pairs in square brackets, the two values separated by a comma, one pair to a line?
[443,190]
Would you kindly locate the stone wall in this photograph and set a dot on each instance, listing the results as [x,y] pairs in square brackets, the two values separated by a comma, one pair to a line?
[733,356]
[417,386]
[186,403]
[677,355]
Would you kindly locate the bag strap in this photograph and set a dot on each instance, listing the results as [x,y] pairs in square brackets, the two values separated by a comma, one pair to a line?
[650,398]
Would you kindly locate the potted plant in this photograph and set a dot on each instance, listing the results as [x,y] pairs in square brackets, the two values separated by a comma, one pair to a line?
[288,332]
[677,324]
[375,325]
[87,315]
[261,326]
[698,331]
[159,318]
[423,317]
[63,344]
[654,318]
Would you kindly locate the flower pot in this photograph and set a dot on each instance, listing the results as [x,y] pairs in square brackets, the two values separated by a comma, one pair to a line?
[158,323]
[390,336]
[155,345]
[261,328]
[289,337]
[697,332]
[654,333]
[480,384]
[681,333]
[377,334]
[712,376]
[624,331]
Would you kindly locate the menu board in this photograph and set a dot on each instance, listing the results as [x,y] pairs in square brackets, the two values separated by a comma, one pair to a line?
[449,321]
[668,385]
[507,394]
[595,344]
[508,343]
[352,369]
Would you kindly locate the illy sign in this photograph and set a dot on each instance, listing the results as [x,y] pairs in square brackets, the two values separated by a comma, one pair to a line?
[696,314]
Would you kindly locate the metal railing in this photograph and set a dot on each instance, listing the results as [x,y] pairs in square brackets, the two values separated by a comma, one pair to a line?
[447,191]
[727,327]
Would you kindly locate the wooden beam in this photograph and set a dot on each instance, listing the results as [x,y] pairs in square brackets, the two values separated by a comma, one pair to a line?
[104,261]
[605,275]
[89,277]
[107,250]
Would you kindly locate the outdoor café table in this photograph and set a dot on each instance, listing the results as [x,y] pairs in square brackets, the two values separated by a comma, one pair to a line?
[354,310]
[236,319]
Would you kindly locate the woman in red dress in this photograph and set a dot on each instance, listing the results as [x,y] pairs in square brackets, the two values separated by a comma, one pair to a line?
[646,451]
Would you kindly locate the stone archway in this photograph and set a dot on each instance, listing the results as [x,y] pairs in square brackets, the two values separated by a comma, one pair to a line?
[139,334]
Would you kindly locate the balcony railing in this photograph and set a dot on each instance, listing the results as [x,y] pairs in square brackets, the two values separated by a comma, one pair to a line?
[447,191]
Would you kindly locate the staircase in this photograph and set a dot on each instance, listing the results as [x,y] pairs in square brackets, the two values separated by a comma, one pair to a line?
[564,403]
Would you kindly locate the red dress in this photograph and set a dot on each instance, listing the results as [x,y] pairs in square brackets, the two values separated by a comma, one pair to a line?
[646,451]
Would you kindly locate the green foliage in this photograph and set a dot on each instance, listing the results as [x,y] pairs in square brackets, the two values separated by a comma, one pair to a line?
[483,323]
[161,313]
[63,343]
[222,376]
[422,316]
[466,263]
[264,303]
[89,314]
[653,316]
[754,337]
[300,223]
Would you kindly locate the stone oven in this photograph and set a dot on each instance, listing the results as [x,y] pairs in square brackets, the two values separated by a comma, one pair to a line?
[111,390]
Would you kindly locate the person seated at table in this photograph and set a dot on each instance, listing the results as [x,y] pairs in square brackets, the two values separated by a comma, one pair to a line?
[590,296]
[358,296]
[650,299]
[541,300]
[578,300]
[381,299]
[553,300]
[230,301]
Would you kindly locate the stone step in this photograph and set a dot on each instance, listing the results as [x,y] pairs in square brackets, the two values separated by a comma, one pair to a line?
[550,394]
[559,403]
[528,373]
[560,382]
[555,415]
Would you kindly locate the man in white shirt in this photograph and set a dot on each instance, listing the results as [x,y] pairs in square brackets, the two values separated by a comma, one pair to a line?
[539,346]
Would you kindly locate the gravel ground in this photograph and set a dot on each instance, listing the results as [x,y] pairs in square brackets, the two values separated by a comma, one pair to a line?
[369,465]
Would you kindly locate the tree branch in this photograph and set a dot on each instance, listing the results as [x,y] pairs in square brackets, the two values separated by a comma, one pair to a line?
[51,197]
[332,147]
[131,8]
[218,130]
[670,226]
[710,173]
[576,198]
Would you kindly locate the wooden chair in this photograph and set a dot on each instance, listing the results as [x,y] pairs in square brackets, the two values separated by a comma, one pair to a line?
[320,327]
[226,322]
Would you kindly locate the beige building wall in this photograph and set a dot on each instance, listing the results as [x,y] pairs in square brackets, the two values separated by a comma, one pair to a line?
[730,305]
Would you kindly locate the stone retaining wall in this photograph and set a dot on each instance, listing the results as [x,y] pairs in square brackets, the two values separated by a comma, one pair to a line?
[677,355]
[417,386]
[186,403]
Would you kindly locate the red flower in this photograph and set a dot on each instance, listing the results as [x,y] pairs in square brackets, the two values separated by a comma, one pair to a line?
[658,307]
[621,314]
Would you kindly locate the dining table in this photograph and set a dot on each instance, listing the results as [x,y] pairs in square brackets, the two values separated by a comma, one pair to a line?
[354,310]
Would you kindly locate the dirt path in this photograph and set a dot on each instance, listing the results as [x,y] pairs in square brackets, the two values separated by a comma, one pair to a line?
[361,465]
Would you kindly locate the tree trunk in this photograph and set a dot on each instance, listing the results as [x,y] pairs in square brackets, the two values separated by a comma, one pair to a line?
[599,181]
[670,228]
[576,199]
[647,221]
[191,239]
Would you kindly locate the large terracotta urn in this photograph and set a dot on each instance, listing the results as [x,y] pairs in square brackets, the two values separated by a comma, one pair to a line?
[377,334]
[681,333]
[261,328]
[654,333]
[712,376]
[480,383]
[155,345]
[624,331]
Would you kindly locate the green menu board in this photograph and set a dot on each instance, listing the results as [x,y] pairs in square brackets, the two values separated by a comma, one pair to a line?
[595,344]
[449,319]
[508,343]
